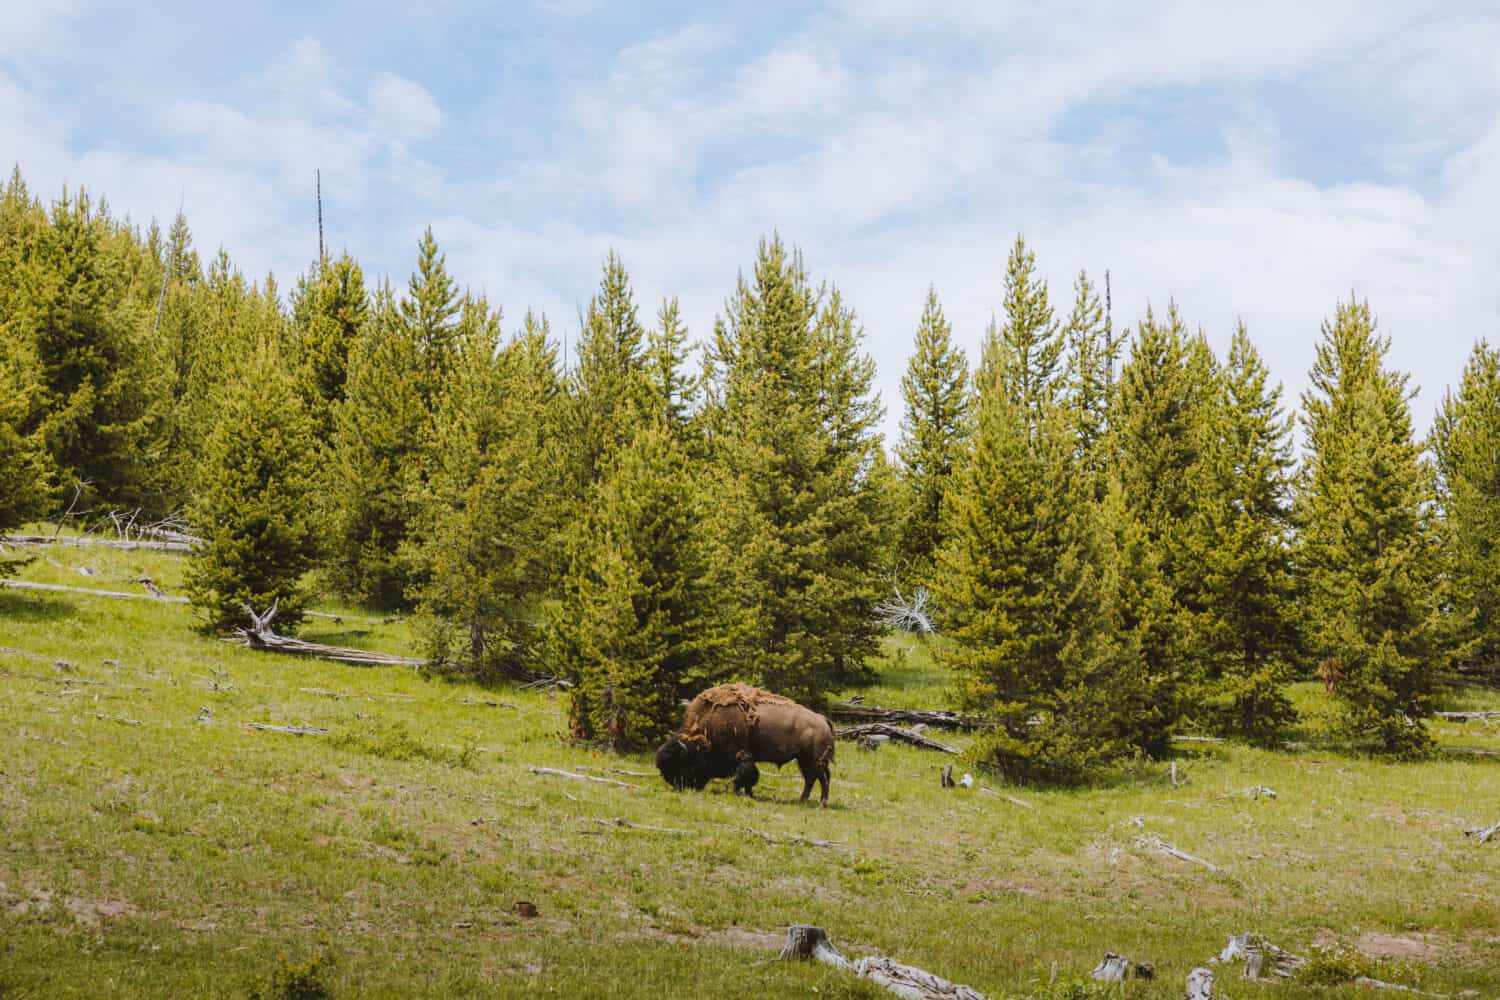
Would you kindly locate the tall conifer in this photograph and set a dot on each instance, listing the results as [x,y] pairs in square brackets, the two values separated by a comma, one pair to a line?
[251,502]
[794,441]
[1025,351]
[934,432]
[1367,545]
[1466,444]
[642,622]
[1243,550]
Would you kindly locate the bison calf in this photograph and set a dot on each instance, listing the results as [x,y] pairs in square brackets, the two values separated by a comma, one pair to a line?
[746,774]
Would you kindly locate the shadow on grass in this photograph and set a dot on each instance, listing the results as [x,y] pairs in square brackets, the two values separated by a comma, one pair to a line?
[19,606]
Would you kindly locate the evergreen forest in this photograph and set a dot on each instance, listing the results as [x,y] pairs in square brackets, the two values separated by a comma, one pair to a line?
[1122,535]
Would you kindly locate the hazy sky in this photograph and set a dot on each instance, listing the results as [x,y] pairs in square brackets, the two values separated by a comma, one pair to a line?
[1261,160]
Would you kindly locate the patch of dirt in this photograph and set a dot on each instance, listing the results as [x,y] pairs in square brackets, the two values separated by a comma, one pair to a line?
[36,899]
[1417,947]
[93,912]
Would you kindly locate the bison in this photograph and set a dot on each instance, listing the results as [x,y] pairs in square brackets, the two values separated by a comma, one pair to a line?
[746,774]
[723,721]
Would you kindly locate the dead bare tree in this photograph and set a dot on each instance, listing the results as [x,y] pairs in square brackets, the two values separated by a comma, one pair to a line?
[909,614]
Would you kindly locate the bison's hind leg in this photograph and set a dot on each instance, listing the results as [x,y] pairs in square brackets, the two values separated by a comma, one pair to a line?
[810,774]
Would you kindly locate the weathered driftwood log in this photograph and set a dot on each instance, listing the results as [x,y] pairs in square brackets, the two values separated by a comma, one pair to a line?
[893,732]
[793,840]
[289,730]
[625,824]
[1160,846]
[89,592]
[938,718]
[1470,751]
[260,636]
[582,777]
[1254,792]
[118,718]
[1380,984]
[1468,716]
[165,545]
[1200,984]
[1483,833]
[807,942]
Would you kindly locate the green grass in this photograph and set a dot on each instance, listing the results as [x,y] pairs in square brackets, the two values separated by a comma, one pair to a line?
[191,858]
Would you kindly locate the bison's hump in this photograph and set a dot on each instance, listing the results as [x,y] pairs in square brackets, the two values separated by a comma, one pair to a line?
[740,695]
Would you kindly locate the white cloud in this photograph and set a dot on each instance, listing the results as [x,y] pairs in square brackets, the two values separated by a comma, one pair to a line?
[403,110]
[899,143]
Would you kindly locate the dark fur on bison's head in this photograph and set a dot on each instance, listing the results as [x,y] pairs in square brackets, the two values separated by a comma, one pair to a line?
[685,764]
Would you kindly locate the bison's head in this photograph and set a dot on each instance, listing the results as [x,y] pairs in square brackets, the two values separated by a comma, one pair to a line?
[683,764]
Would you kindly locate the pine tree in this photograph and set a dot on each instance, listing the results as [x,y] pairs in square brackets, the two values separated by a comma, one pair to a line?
[479,549]
[674,389]
[25,473]
[934,432]
[1465,442]
[429,317]
[379,430]
[1243,557]
[1164,430]
[399,372]
[1026,350]
[1027,584]
[609,388]
[1089,375]
[1371,615]
[793,429]
[329,311]
[251,502]
[642,623]
[93,407]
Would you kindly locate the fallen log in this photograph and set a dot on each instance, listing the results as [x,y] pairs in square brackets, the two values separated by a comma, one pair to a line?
[1483,834]
[1160,846]
[1254,792]
[1470,751]
[582,777]
[1483,716]
[159,597]
[805,942]
[117,718]
[1200,984]
[895,733]
[260,636]
[167,545]
[627,825]
[794,840]
[1381,984]
[288,730]
[938,718]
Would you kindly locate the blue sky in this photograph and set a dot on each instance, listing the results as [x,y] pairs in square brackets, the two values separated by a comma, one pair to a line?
[1261,162]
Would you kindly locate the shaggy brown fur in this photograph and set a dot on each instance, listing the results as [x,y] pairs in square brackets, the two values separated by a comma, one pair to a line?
[746,774]
[723,721]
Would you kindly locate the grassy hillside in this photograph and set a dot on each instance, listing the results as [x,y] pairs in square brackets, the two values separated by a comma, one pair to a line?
[152,845]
